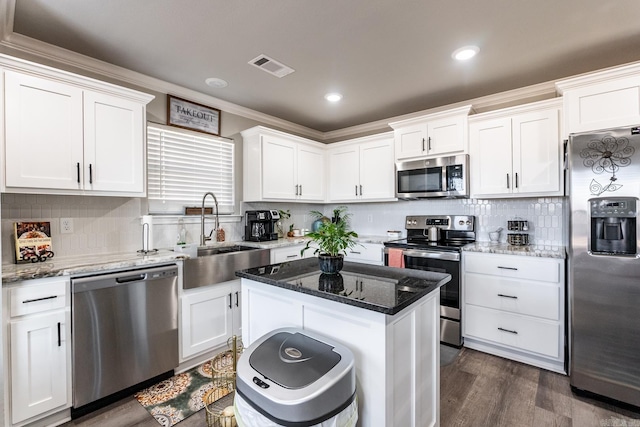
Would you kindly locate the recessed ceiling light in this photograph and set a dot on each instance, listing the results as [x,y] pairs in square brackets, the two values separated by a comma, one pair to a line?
[216,82]
[466,52]
[333,97]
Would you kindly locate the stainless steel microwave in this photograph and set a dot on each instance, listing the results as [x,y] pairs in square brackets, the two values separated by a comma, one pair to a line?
[438,177]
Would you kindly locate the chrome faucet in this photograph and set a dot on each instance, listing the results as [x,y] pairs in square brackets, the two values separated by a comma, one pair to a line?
[216,225]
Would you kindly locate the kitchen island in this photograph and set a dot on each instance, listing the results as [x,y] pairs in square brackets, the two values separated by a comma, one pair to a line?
[388,317]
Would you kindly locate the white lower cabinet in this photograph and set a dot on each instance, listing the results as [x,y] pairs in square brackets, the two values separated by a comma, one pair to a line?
[210,315]
[396,357]
[39,348]
[290,253]
[514,307]
[366,253]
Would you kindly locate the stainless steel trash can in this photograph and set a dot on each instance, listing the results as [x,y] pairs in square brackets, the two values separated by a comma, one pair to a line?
[294,377]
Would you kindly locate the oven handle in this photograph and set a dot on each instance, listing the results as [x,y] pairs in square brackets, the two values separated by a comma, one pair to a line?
[416,253]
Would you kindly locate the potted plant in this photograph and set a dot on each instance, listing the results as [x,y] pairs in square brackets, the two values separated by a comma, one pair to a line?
[333,238]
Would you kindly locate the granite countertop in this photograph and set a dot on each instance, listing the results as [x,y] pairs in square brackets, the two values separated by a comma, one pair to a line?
[74,266]
[542,251]
[383,289]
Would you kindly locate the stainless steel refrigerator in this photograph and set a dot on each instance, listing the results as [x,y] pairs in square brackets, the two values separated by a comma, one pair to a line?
[604,263]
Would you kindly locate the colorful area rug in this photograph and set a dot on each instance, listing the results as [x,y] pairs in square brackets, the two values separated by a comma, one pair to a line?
[178,397]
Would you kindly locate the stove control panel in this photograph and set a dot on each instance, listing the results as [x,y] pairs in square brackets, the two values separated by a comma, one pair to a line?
[445,222]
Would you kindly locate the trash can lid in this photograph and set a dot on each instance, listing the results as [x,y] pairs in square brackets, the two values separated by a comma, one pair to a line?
[293,360]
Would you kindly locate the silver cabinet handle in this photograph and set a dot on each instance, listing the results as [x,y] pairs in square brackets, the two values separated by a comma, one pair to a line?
[356,190]
[90,174]
[429,144]
[230,305]
[508,330]
[59,337]
[516,179]
[300,189]
[27,301]
[357,253]
[291,256]
[78,171]
[508,268]
[296,189]
[361,189]
[422,144]
[237,299]
[508,296]
[508,181]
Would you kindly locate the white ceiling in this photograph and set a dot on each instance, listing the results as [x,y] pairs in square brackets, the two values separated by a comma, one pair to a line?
[387,57]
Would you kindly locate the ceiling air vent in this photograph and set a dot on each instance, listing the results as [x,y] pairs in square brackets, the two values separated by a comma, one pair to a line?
[271,66]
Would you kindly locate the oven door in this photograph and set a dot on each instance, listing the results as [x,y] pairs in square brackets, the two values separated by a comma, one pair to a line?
[442,262]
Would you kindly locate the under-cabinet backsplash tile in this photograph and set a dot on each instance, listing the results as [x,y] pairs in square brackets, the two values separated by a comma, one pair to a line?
[105,225]
[101,225]
[545,215]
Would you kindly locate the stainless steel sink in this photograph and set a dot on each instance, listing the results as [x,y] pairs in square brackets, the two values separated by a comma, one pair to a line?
[219,264]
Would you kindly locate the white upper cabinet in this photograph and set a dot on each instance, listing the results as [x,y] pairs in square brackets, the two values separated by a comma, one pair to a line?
[431,135]
[601,100]
[282,167]
[362,169]
[44,139]
[114,146]
[516,152]
[67,134]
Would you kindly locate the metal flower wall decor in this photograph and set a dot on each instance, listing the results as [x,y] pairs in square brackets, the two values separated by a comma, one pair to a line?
[606,155]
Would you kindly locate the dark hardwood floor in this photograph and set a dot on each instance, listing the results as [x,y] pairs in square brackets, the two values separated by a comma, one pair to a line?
[477,390]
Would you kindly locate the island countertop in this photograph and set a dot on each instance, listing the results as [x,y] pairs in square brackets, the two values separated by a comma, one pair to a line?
[383,289]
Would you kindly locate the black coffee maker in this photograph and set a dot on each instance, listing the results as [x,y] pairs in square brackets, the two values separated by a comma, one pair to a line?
[260,226]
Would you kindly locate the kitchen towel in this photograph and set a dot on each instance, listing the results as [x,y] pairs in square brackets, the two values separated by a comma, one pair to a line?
[396,258]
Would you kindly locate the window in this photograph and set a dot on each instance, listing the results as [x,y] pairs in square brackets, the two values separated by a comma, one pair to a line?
[183,166]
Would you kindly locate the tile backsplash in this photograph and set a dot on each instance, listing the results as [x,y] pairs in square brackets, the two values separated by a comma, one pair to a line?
[105,225]
[545,215]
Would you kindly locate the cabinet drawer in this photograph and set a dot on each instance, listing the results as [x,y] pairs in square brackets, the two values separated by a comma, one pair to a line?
[370,253]
[519,332]
[36,298]
[513,295]
[289,253]
[515,266]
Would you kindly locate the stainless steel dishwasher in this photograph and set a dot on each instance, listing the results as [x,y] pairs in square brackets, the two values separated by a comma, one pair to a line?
[124,330]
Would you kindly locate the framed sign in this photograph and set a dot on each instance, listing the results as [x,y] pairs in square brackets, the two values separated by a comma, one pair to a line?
[193,116]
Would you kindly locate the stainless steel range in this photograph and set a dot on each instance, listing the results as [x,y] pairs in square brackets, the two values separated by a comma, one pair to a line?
[434,243]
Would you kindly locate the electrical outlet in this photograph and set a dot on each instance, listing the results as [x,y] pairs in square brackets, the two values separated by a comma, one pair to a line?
[66,225]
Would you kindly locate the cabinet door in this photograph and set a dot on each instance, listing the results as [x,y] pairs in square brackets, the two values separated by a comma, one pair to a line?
[43,121]
[206,318]
[445,136]
[310,173]
[237,309]
[410,141]
[344,175]
[38,365]
[114,144]
[377,171]
[609,104]
[490,149]
[278,168]
[536,152]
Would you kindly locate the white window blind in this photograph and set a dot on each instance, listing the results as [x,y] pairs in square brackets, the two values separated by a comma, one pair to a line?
[182,167]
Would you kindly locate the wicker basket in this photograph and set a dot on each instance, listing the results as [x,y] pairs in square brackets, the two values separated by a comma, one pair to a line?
[223,377]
